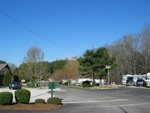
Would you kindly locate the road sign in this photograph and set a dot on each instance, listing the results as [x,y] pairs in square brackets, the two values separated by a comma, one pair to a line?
[51,85]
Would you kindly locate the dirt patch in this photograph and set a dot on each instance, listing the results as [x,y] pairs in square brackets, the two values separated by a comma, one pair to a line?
[30,107]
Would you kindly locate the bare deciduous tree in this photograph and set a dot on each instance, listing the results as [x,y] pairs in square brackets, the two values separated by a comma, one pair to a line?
[32,57]
[145,46]
[70,70]
[132,53]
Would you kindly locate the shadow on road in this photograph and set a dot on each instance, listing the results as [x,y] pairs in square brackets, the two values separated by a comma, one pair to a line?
[40,94]
[123,110]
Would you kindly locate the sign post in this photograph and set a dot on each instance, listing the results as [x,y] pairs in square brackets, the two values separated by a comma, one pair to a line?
[51,85]
[108,67]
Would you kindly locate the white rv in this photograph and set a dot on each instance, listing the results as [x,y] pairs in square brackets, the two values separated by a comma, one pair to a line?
[131,79]
[148,79]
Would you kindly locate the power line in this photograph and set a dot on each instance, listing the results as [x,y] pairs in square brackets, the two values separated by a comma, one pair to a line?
[34,32]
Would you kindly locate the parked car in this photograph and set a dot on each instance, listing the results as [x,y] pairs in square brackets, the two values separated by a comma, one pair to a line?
[140,82]
[129,82]
[15,85]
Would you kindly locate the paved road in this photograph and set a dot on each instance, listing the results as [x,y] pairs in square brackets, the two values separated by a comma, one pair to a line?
[123,100]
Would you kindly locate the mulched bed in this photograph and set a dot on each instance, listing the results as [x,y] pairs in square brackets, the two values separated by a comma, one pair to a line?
[30,107]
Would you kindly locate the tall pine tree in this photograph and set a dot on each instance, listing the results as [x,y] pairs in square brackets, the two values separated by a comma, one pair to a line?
[93,63]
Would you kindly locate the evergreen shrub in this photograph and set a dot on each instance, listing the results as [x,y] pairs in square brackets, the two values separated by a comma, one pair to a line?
[6,98]
[86,84]
[66,83]
[22,96]
[39,101]
[54,100]
[7,79]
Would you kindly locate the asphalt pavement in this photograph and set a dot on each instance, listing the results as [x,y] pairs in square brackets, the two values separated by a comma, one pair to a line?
[123,100]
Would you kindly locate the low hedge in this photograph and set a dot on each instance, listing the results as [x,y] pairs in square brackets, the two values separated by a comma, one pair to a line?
[54,100]
[22,96]
[6,98]
[39,101]
[86,84]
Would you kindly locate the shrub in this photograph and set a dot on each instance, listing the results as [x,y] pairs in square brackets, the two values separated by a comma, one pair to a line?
[22,96]
[86,84]
[94,83]
[54,100]
[97,84]
[60,82]
[6,98]
[39,101]
[66,83]
[31,84]
[7,79]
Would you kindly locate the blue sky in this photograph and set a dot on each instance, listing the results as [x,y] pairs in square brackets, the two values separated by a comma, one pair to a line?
[66,28]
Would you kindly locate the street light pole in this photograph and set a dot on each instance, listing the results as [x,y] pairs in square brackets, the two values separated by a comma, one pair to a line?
[108,67]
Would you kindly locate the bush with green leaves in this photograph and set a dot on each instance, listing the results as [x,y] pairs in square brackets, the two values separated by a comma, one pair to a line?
[7,79]
[66,83]
[22,96]
[6,98]
[94,83]
[54,100]
[39,101]
[86,84]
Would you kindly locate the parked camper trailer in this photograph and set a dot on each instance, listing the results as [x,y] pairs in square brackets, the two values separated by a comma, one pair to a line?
[148,79]
[130,80]
[133,79]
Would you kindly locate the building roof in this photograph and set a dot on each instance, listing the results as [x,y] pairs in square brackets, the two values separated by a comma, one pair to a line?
[2,66]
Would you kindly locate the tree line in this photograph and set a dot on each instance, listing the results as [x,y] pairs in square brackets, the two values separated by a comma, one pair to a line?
[128,55]
[132,54]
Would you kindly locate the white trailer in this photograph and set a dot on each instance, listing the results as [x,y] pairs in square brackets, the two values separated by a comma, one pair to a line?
[124,79]
[148,79]
[80,80]
[132,77]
